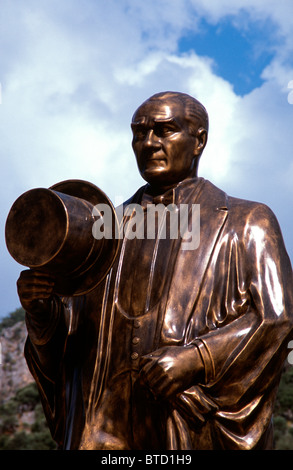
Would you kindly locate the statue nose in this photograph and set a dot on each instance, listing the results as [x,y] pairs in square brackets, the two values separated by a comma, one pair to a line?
[152,140]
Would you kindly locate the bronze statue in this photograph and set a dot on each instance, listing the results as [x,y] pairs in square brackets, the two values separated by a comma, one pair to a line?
[175,348]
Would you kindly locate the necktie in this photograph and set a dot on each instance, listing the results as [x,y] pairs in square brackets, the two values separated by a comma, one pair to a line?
[165,199]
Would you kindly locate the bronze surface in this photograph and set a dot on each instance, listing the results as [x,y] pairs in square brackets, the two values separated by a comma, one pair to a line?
[51,230]
[174,349]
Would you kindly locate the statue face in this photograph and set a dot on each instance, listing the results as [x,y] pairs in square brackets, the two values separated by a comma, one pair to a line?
[164,149]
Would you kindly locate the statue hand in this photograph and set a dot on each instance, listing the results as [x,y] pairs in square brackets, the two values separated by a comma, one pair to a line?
[170,370]
[35,289]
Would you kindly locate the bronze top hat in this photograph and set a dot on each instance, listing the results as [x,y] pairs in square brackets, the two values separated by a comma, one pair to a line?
[52,230]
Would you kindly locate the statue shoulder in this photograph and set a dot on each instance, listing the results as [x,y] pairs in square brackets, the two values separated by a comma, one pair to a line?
[253,219]
[252,209]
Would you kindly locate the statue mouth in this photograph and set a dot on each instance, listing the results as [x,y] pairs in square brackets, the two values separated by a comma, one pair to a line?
[156,156]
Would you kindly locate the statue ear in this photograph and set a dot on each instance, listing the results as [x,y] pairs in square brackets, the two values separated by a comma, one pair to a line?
[201,140]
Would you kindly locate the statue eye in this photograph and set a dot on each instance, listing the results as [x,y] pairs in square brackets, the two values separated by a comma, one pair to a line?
[139,132]
[163,129]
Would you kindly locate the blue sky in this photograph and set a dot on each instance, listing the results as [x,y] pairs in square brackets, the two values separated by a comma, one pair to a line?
[240,54]
[72,73]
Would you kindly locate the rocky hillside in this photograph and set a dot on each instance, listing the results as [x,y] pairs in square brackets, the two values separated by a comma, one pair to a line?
[14,373]
[22,421]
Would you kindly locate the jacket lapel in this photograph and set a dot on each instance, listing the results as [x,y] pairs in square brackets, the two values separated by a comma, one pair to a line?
[190,265]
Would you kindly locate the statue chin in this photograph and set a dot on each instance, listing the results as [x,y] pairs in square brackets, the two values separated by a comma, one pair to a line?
[159,178]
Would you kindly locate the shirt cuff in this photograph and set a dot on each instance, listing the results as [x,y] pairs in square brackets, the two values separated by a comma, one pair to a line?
[206,359]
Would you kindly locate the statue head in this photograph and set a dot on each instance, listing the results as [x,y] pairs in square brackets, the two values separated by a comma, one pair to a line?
[169,134]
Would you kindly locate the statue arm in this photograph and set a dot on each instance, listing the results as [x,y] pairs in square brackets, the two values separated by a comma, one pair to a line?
[258,294]
[249,324]
[49,346]
[49,326]
[47,335]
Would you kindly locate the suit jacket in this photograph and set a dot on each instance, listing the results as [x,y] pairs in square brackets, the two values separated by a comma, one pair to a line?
[232,297]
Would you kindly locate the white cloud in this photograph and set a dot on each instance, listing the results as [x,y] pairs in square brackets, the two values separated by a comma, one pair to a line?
[73,74]
[259,10]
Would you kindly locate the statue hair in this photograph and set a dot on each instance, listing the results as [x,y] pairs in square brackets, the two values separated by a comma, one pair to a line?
[196,113]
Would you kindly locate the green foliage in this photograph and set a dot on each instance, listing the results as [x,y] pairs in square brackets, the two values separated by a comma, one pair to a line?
[12,318]
[285,393]
[28,395]
[283,436]
[36,436]
[28,441]
[283,413]
[15,433]
[8,420]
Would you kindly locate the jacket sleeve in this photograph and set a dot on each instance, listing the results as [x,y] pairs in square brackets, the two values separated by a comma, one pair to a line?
[50,333]
[250,317]
[249,321]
